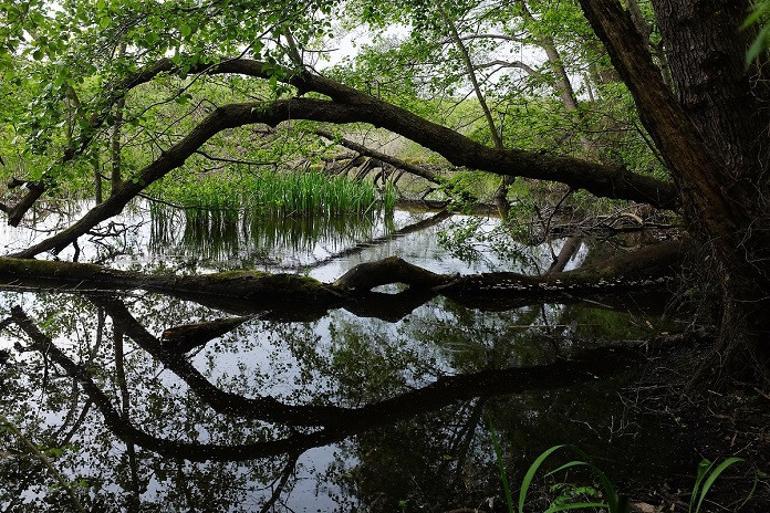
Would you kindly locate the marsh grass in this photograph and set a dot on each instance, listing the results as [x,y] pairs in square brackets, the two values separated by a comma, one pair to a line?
[281,194]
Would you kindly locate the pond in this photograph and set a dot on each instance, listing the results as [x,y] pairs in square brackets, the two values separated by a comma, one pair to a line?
[338,412]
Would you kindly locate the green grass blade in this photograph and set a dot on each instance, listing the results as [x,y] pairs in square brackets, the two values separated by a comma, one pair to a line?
[703,469]
[567,466]
[713,476]
[610,491]
[501,468]
[530,475]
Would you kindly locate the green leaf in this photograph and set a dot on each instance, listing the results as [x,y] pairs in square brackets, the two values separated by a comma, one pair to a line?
[530,475]
[713,476]
[759,45]
[501,468]
[567,466]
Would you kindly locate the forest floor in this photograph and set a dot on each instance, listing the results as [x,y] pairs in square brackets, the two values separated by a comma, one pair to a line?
[721,419]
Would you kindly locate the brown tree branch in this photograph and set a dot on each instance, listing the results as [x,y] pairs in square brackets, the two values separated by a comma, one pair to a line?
[289,296]
[354,106]
[413,169]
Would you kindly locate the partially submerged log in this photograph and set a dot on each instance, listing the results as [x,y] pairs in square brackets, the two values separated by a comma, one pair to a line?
[257,287]
[369,275]
[298,297]
[648,267]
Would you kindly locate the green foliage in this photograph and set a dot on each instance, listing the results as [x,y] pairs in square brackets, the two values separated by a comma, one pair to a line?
[282,194]
[708,473]
[573,497]
[758,19]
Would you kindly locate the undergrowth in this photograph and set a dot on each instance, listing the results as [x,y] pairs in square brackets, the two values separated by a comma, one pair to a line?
[600,494]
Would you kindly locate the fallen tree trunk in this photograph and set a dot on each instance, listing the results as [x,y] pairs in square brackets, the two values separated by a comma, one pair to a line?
[303,297]
[351,106]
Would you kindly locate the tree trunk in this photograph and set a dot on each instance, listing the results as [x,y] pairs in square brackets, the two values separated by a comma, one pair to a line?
[708,136]
[705,50]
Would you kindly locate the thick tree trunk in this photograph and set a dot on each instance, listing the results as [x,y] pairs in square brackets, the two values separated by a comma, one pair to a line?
[705,49]
[709,136]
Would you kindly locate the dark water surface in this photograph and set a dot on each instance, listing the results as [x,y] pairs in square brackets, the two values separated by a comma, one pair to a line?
[336,413]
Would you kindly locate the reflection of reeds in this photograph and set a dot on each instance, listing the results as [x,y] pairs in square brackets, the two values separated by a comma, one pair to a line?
[224,233]
[254,214]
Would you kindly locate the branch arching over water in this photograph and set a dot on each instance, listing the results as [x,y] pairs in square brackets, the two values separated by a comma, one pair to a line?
[349,106]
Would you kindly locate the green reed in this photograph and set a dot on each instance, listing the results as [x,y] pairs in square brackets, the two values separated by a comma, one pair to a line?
[284,194]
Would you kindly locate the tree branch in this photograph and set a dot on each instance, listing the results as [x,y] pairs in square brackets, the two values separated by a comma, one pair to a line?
[354,106]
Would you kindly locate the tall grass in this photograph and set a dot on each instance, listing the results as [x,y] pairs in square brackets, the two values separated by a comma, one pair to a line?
[282,194]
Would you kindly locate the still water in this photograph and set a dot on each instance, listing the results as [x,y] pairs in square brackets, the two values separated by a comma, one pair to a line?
[338,413]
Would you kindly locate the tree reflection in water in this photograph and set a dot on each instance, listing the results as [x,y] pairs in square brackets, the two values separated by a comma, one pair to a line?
[234,422]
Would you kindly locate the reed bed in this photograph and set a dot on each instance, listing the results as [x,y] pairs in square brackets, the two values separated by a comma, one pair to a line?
[282,194]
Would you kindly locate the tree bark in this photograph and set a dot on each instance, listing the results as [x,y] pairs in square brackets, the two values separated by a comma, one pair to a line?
[290,296]
[708,138]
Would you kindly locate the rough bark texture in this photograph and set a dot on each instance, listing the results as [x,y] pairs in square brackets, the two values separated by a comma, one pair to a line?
[708,137]
[289,296]
[413,169]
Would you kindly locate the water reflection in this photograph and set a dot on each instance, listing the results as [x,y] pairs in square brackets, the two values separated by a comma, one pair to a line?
[247,404]
[153,236]
[145,402]
[221,235]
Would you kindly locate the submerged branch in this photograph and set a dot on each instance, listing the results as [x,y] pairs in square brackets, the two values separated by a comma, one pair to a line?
[299,297]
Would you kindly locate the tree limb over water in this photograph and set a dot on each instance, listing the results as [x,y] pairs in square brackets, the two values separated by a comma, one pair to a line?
[304,297]
[347,105]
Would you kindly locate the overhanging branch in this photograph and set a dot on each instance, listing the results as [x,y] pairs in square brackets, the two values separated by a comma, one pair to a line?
[354,106]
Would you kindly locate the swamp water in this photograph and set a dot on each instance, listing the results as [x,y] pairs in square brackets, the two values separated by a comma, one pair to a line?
[408,399]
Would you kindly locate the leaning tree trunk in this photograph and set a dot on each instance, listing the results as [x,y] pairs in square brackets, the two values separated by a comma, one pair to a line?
[709,132]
